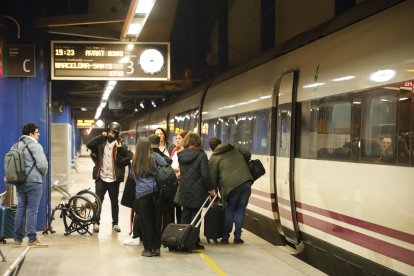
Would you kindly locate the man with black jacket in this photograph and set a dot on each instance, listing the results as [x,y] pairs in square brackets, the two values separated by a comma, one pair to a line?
[110,156]
[229,171]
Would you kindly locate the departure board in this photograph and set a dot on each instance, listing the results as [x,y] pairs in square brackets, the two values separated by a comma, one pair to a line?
[94,60]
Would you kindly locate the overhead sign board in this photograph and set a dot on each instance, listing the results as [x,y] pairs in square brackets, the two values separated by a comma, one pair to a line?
[94,60]
[85,123]
[17,60]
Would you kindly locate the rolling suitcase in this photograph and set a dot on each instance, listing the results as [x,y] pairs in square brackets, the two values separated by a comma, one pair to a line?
[6,223]
[214,223]
[183,237]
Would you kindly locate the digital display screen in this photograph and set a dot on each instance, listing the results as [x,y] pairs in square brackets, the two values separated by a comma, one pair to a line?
[88,60]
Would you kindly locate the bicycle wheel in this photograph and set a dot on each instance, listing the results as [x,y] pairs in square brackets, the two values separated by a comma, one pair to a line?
[93,198]
[81,208]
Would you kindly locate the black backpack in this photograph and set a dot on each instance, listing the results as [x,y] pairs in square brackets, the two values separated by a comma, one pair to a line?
[166,181]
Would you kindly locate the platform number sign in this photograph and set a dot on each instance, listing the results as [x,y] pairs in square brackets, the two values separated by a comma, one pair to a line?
[86,60]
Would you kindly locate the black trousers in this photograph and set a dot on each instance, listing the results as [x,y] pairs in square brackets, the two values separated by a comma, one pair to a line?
[113,190]
[136,227]
[149,210]
[167,210]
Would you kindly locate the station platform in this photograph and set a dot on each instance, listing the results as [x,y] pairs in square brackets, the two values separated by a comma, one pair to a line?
[104,254]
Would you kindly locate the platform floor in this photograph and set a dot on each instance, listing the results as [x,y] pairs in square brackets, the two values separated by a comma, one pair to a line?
[104,253]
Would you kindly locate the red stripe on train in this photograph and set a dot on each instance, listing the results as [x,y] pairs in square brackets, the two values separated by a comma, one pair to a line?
[391,250]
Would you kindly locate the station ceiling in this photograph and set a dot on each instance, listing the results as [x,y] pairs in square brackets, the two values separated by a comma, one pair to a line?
[103,20]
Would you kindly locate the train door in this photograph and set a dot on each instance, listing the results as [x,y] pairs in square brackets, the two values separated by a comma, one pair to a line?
[285,93]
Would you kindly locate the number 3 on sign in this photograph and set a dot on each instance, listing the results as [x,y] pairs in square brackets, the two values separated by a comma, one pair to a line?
[130,67]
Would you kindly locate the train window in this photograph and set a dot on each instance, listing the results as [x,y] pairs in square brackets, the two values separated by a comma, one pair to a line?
[232,130]
[379,117]
[405,126]
[375,126]
[260,136]
[245,130]
[252,130]
[186,121]
[334,125]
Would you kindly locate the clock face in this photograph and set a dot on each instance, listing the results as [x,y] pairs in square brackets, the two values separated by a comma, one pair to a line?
[151,61]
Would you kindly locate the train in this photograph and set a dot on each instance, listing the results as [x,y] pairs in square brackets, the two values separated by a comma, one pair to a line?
[332,121]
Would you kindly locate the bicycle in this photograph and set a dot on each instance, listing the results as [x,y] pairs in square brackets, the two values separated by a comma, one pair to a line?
[78,213]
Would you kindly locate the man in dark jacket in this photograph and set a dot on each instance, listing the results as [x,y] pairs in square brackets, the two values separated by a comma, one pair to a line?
[229,171]
[110,156]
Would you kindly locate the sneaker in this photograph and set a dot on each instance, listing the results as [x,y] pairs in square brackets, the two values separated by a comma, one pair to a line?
[37,243]
[17,243]
[96,228]
[238,241]
[135,242]
[116,228]
[146,253]
[199,247]
[224,241]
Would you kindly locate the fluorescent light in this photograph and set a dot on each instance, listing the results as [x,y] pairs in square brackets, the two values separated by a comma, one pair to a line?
[130,47]
[314,85]
[144,6]
[403,99]
[84,109]
[344,78]
[134,29]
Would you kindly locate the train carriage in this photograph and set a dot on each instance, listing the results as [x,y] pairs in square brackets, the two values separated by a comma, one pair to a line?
[333,123]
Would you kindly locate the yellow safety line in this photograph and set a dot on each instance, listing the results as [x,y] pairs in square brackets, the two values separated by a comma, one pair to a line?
[211,264]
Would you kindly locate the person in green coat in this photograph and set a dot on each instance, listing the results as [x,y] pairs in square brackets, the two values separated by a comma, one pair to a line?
[229,171]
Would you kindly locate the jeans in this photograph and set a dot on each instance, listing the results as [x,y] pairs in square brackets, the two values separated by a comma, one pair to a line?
[28,200]
[237,202]
[113,190]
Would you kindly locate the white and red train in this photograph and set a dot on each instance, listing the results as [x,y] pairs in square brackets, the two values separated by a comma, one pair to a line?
[333,123]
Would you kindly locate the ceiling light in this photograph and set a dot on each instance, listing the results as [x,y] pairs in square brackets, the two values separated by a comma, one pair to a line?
[314,85]
[144,6]
[142,105]
[344,78]
[382,75]
[84,109]
[134,29]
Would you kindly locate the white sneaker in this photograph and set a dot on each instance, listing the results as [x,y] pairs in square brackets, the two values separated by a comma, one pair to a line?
[133,242]
[116,228]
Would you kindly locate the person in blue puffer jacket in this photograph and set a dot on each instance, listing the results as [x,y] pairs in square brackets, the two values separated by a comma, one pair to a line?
[30,192]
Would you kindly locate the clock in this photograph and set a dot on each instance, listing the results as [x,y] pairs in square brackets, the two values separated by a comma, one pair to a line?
[151,61]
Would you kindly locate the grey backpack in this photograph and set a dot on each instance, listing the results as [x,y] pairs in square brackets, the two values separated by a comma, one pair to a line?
[15,165]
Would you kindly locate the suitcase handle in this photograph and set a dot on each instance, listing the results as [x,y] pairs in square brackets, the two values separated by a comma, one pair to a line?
[201,209]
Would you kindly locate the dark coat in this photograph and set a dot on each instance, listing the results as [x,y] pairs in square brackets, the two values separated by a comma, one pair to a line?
[228,167]
[121,156]
[195,178]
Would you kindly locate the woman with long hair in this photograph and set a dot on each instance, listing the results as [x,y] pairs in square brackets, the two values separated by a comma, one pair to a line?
[165,147]
[176,167]
[144,168]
